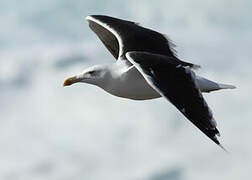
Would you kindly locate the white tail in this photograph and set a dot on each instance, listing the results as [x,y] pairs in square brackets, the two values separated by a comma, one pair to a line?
[206,85]
[226,86]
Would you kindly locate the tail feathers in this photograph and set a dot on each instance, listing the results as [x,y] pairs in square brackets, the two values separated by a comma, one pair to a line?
[226,86]
[206,85]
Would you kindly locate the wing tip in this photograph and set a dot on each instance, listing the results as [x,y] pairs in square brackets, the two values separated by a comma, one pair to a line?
[214,138]
[222,147]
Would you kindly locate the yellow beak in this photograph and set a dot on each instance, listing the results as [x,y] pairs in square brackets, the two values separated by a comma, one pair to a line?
[71,80]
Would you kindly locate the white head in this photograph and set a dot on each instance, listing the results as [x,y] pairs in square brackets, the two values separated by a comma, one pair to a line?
[96,75]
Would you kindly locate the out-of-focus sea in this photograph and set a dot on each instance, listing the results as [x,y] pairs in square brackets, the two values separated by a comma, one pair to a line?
[81,132]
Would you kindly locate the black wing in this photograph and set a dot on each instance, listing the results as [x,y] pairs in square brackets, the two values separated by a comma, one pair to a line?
[176,82]
[120,36]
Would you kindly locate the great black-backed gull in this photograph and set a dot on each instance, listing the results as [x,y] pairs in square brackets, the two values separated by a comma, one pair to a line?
[146,68]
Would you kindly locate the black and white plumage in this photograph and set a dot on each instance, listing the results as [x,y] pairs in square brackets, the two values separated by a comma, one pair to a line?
[148,68]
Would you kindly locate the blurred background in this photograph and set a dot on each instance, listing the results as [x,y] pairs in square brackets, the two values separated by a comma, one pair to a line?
[81,132]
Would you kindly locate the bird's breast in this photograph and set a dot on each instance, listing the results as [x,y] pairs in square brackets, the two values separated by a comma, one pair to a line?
[131,85]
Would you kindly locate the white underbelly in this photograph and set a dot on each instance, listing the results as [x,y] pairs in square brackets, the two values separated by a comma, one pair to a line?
[140,90]
[133,86]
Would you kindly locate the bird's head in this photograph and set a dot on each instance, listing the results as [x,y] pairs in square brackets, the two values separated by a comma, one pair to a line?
[92,75]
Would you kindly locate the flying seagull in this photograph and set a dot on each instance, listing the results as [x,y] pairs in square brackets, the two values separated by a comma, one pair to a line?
[146,68]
